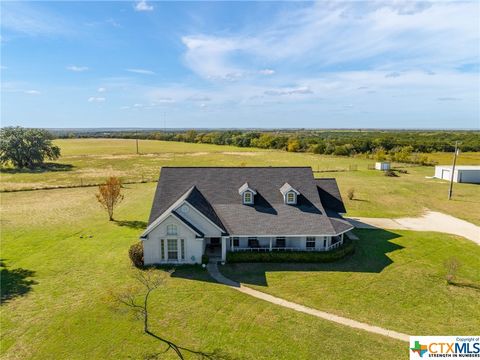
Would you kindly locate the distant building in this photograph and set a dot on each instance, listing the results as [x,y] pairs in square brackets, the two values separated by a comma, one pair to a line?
[384,166]
[463,173]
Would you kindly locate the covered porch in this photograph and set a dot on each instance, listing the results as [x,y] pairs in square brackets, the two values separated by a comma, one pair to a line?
[284,243]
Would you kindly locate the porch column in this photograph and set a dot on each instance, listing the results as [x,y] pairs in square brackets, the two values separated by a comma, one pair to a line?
[270,243]
[342,238]
[224,248]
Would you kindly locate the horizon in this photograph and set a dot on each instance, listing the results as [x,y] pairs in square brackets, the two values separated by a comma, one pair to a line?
[241,66]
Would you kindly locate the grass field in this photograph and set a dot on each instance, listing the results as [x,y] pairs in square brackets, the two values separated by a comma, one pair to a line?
[91,160]
[56,282]
[394,279]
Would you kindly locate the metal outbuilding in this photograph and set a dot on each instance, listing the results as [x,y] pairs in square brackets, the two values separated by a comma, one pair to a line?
[462,174]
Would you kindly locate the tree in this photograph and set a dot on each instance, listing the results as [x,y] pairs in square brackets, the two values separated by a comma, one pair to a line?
[293,145]
[136,299]
[109,195]
[26,148]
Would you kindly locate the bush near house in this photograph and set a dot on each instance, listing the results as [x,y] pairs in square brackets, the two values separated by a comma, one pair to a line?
[205,259]
[292,256]
[136,254]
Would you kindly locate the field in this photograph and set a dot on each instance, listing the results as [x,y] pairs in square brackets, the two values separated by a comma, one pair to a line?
[61,261]
[392,279]
[56,285]
[87,161]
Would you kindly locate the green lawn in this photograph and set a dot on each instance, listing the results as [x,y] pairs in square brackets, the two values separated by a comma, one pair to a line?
[394,279]
[56,282]
[92,160]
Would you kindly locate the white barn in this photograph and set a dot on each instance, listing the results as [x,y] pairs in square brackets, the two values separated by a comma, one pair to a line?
[462,174]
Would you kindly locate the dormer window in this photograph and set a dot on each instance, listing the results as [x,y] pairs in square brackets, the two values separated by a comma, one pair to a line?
[289,194]
[291,198]
[247,198]
[247,194]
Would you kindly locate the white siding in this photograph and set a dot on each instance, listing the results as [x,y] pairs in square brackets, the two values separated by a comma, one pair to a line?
[152,245]
[199,221]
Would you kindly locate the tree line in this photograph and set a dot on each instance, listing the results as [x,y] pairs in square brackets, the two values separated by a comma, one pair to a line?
[394,145]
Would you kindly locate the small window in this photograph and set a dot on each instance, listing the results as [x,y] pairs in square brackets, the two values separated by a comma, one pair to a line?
[310,242]
[236,241]
[162,245]
[172,249]
[247,197]
[182,248]
[253,242]
[291,198]
[280,242]
[325,243]
[171,229]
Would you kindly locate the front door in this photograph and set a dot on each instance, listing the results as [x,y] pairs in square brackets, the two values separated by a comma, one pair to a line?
[215,242]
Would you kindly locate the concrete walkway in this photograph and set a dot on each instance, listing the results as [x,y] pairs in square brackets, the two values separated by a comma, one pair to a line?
[215,273]
[430,221]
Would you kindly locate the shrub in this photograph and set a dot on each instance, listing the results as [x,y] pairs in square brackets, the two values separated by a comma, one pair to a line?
[205,259]
[136,254]
[292,256]
[351,193]
[390,173]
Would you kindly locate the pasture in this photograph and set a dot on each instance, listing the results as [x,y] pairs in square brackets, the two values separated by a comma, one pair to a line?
[90,161]
[62,258]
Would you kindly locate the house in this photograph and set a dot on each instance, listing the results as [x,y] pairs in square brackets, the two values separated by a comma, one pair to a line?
[462,174]
[382,165]
[213,210]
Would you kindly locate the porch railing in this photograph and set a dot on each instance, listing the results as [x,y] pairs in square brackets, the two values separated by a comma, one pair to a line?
[267,249]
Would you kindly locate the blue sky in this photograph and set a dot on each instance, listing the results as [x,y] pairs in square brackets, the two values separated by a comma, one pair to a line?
[391,64]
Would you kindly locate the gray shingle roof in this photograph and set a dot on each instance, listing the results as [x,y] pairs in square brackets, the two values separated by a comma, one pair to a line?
[330,194]
[215,194]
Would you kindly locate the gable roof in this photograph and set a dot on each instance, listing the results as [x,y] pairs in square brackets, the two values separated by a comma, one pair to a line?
[214,192]
[330,194]
[287,188]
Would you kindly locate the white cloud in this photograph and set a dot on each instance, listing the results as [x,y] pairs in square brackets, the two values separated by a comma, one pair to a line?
[32,92]
[101,89]
[325,34]
[267,72]
[95,99]
[32,19]
[141,71]
[304,90]
[77,68]
[143,6]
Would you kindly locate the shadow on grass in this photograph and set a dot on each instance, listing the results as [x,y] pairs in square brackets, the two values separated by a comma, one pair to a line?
[370,256]
[133,224]
[47,167]
[467,285]
[14,282]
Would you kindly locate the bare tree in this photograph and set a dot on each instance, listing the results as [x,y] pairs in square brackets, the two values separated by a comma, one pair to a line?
[137,301]
[109,195]
[451,266]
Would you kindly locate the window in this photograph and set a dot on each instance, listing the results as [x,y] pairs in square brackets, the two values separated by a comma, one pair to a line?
[171,229]
[253,242]
[236,241]
[182,248]
[162,250]
[247,197]
[291,198]
[172,249]
[310,242]
[280,242]
[324,243]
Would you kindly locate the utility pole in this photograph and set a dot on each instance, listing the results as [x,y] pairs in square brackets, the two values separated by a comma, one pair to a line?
[136,140]
[453,171]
